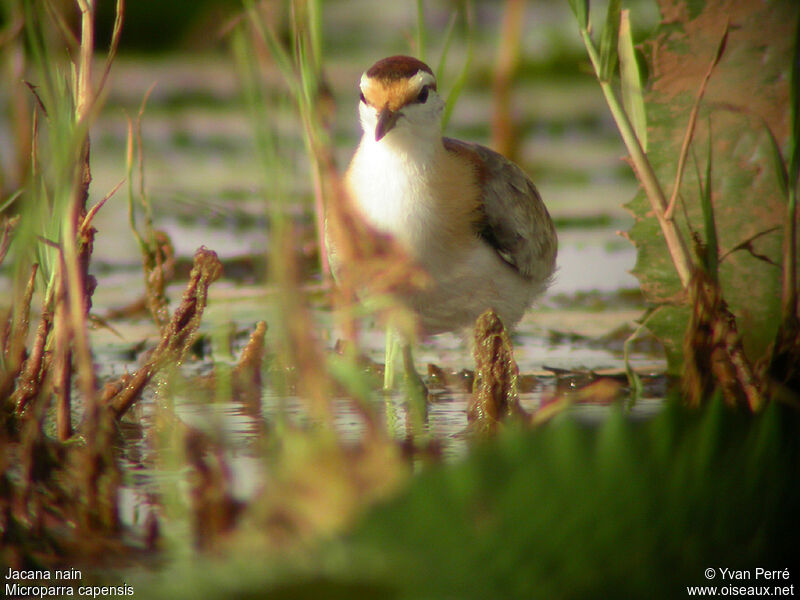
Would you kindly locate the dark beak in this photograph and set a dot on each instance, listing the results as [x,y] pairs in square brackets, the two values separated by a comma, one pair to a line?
[387,119]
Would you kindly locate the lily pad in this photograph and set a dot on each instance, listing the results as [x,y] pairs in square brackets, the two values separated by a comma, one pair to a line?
[747,91]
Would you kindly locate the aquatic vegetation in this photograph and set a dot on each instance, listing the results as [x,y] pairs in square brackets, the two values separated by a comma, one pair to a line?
[575,494]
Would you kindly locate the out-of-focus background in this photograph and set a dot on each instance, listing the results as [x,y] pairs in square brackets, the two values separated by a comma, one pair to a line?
[178,88]
[207,185]
[297,475]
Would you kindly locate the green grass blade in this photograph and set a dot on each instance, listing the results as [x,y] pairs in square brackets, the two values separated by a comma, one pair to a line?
[276,49]
[711,257]
[422,33]
[778,163]
[634,381]
[10,200]
[631,81]
[448,38]
[259,109]
[609,41]
[461,80]
[581,10]
[315,32]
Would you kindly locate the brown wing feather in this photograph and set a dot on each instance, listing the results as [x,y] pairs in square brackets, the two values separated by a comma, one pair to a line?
[512,217]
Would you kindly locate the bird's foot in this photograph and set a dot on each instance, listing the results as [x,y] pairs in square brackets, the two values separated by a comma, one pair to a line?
[416,393]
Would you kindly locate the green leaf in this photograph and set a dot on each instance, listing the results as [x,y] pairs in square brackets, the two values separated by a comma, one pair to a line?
[461,80]
[611,508]
[422,32]
[711,258]
[631,81]
[634,381]
[778,163]
[609,41]
[581,10]
[448,39]
[494,525]
[281,56]
[747,199]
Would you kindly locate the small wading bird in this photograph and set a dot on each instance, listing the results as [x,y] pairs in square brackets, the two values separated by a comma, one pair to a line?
[470,218]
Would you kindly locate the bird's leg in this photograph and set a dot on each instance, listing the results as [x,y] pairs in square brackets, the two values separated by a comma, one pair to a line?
[416,392]
[392,342]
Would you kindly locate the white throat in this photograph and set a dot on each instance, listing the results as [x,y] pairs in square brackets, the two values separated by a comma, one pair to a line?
[393,177]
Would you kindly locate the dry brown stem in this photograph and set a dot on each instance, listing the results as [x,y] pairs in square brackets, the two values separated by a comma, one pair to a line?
[9,224]
[30,381]
[62,361]
[687,139]
[714,357]
[495,394]
[13,346]
[247,382]
[159,267]
[176,338]
[504,137]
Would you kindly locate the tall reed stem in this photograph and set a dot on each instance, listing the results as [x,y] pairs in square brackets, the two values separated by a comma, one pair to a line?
[678,250]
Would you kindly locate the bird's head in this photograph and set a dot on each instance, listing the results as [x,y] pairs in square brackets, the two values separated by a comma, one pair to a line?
[399,99]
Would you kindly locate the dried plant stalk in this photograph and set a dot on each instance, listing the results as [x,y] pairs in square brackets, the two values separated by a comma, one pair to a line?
[504,137]
[714,353]
[13,346]
[9,224]
[678,249]
[495,393]
[690,127]
[176,338]
[247,383]
[29,382]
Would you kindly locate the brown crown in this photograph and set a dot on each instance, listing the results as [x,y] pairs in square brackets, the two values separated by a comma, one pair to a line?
[398,67]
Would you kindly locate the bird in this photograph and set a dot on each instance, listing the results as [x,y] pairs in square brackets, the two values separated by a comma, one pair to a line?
[471,219]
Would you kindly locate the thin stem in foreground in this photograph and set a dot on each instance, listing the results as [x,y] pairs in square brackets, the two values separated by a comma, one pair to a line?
[678,250]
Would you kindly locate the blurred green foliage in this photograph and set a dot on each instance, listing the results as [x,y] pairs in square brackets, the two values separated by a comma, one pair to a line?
[158,26]
[623,509]
[575,509]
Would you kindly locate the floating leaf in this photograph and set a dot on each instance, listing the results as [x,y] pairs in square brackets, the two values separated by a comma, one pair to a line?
[747,198]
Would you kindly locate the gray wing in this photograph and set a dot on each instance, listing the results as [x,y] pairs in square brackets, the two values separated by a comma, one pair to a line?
[512,218]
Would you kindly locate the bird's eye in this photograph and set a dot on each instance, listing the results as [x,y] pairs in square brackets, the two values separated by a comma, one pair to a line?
[361,97]
[423,95]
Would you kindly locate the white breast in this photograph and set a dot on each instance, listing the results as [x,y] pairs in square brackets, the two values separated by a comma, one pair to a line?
[392,191]
[424,202]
